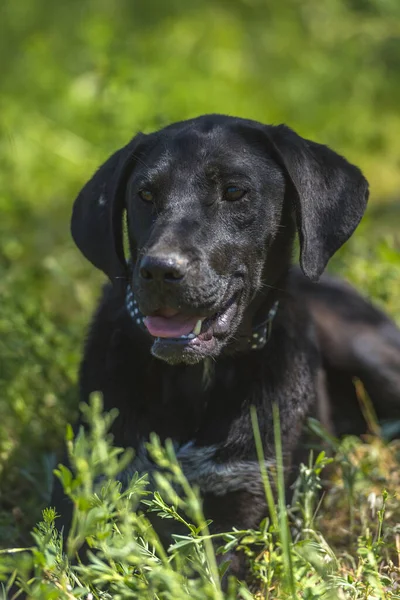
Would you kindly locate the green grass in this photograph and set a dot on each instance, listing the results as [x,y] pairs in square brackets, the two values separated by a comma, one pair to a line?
[78,79]
[345,544]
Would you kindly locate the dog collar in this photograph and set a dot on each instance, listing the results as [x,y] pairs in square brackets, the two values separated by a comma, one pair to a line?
[259,336]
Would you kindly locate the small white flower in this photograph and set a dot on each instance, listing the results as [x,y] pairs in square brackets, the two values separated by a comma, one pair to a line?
[375,503]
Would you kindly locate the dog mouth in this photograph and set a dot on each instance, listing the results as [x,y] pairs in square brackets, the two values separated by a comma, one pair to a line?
[171,326]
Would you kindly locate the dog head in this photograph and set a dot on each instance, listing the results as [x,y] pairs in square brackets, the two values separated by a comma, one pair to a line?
[212,205]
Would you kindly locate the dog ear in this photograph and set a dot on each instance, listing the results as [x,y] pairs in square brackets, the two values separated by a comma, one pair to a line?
[330,196]
[96,223]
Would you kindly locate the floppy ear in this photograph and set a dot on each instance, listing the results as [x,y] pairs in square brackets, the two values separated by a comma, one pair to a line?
[96,223]
[330,196]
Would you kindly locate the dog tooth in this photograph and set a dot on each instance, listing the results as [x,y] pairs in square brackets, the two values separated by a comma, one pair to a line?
[197,328]
[191,336]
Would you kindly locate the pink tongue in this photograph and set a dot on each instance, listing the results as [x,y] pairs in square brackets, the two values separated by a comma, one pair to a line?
[170,327]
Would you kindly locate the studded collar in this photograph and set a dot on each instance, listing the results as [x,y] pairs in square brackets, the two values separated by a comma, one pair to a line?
[259,336]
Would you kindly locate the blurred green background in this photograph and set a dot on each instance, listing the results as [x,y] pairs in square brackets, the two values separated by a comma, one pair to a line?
[78,79]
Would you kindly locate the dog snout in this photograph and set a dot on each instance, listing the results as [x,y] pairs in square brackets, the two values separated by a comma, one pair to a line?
[164,268]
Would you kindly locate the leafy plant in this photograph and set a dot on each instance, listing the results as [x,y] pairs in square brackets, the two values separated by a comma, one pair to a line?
[125,558]
[78,79]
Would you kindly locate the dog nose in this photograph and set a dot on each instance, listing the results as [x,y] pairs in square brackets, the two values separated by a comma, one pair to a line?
[166,268]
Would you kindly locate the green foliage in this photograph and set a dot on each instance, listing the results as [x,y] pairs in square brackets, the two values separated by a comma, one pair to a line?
[78,80]
[125,558]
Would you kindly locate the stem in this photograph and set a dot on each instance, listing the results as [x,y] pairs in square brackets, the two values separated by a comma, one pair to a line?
[283,522]
[264,474]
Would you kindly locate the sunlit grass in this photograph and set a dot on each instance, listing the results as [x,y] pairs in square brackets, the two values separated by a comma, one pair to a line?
[344,544]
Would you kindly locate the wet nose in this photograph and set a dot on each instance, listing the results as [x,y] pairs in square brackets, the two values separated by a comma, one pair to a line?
[170,268]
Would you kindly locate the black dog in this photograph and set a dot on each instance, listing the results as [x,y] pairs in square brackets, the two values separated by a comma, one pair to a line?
[206,318]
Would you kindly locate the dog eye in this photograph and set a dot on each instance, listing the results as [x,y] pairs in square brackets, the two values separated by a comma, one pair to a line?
[233,193]
[146,195]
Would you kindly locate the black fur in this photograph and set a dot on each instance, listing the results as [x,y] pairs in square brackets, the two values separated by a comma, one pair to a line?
[356,339]
[214,252]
